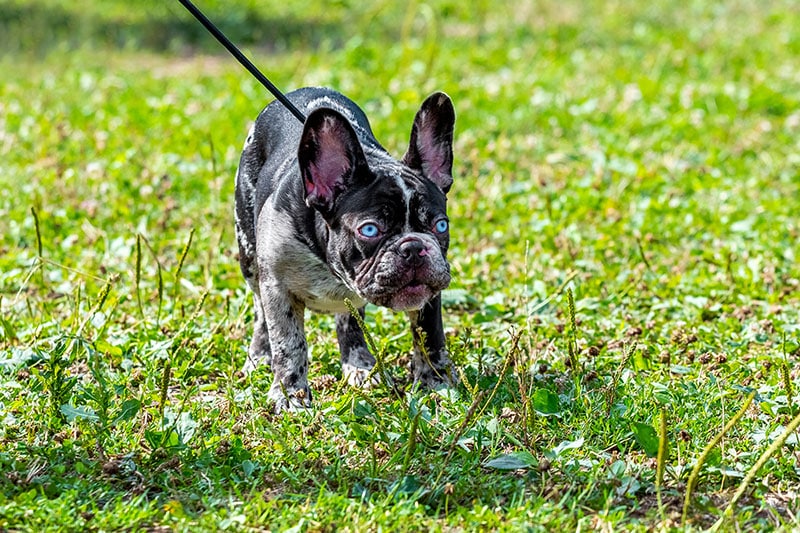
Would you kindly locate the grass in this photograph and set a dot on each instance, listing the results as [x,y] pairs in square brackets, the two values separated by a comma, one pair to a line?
[625,213]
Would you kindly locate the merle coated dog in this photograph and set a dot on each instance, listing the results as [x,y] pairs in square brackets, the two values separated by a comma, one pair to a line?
[324,213]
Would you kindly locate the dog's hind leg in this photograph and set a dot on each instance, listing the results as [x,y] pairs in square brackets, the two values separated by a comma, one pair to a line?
[246,178]
[259,352]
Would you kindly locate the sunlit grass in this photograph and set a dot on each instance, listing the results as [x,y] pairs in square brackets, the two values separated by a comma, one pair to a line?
[641,157]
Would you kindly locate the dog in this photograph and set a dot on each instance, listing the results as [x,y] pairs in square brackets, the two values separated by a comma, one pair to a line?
[323,214]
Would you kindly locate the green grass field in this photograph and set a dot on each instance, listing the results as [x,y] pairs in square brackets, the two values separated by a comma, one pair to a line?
[625,239]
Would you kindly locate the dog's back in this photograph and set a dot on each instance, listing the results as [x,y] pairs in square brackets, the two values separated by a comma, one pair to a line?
[270,154]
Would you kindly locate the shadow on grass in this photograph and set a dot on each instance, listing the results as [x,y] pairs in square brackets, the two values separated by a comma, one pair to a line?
[36,28]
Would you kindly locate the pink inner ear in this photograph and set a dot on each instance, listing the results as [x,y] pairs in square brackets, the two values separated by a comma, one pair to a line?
[329,168]
[430,152]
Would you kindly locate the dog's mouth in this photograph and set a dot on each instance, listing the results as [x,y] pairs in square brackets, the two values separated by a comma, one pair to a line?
[413,295]
[394,284]
[406,297]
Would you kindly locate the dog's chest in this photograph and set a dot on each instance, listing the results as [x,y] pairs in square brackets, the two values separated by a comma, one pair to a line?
[312,281]
[292,264]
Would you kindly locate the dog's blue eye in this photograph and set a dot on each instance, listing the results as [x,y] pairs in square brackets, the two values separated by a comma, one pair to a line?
[369,230]
[442,226]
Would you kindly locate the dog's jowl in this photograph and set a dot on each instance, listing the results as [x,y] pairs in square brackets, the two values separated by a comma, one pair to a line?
[324,213]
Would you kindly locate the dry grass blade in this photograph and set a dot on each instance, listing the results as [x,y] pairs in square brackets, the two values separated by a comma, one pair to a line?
[753,472]
[703,456]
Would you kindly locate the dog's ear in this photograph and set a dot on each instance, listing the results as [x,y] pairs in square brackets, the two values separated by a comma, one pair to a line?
[329,156]
[431,146]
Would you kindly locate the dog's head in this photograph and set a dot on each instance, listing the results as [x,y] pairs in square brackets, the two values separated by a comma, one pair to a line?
[387,224]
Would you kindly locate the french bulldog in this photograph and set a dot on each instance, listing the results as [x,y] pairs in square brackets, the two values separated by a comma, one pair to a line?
[324,214]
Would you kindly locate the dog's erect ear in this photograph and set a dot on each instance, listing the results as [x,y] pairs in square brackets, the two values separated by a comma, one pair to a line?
[329,156]
[431,146]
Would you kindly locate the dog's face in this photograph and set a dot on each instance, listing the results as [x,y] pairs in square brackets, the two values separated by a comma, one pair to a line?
[388,231]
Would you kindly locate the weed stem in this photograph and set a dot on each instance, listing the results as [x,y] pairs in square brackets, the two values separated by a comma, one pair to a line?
[703,456]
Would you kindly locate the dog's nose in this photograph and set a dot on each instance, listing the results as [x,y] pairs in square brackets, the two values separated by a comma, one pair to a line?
[413,251]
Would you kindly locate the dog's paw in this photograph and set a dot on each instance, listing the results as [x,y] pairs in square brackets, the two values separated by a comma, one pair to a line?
[293,401]
[362,378]
[434,378]
[292,405]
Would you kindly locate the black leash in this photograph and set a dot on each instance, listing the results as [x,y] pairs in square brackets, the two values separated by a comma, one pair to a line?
[240,57]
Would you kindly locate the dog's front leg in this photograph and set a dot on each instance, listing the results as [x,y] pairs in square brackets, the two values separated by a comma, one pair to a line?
[284,317]
[431,363]
[357,361]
